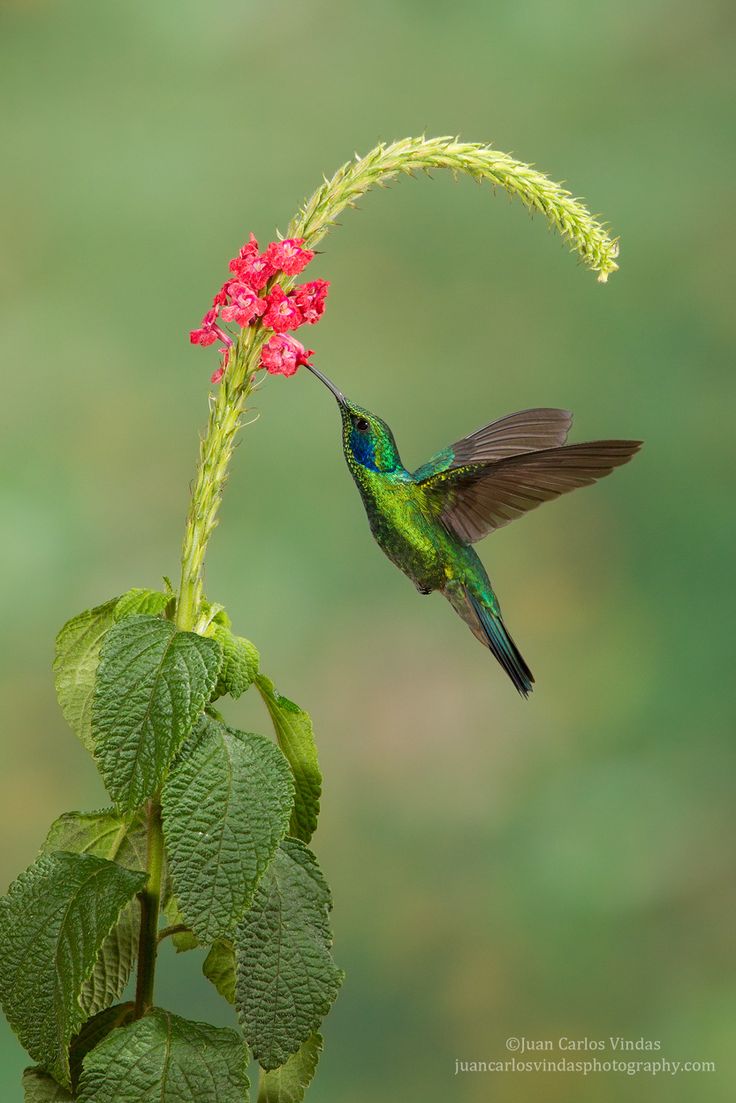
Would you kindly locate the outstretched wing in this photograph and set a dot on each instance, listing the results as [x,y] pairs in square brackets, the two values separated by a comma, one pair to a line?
[474,499]
[527,431]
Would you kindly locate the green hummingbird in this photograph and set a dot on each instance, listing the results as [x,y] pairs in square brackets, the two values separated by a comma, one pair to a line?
[427,520]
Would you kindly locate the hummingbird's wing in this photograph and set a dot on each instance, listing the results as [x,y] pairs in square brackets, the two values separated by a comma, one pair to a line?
[474,499]
[526,431]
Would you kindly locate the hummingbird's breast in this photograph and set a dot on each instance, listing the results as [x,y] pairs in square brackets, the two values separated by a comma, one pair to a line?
[402,527]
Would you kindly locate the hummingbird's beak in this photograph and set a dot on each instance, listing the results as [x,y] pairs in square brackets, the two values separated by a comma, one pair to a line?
[329,384]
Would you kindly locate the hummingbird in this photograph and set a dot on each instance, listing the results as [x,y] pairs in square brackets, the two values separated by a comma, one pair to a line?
[427,520]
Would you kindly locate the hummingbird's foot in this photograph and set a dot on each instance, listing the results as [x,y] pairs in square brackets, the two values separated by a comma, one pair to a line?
[423,590]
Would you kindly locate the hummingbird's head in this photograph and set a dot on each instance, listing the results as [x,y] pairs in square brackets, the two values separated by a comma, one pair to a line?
[367,440]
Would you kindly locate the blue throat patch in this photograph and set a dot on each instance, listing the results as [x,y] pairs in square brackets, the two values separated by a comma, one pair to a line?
[363,449]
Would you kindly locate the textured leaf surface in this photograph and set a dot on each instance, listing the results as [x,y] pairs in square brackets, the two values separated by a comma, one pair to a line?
[226,805]
[219,967]
[286,978]
[75,665]
[240,662]
[152,684]
[171,1060]
[289,1082]
[52,923]
[39,1087]
[295,736]
[137,602]
[92,1033]
[109,836]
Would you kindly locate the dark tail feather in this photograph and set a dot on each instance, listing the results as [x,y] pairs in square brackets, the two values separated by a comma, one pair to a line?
[503,647]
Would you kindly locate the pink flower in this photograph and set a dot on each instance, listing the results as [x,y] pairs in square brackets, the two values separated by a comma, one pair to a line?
[244,304]
[310,298]
[282,313]
[257,272]
[289,255]
[282,355]
[209,331]
[252,267]
[246,253]
[221,297]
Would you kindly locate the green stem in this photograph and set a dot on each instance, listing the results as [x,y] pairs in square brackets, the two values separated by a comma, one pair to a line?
[215,452]
[585,234]
[261,1085]
[175,928]
[150,900]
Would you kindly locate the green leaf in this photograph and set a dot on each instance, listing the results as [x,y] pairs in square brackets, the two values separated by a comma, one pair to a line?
[226,805]
[75,665]
[136,602]
[152,684]
[92,1033]
[240,662]
[286,978]
[168,1059]
[52,924]
[39,1087]
[289,1082]
[219,967]
[295,736]
[109,836]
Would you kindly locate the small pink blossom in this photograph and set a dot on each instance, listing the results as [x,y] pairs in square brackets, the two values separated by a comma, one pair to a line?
[246,252]
[289,255]
[282,355]
[310,298]
[209,331]
[221,297]
[257,272]
[244,304]
[283,312]
[252,267]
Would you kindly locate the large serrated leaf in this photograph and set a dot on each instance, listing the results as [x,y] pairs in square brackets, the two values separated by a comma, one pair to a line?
[240,662]
[286,978]
[52,924]
[109,836]
[92,1033]
[136,602]
[39,1087]
[152,684]
[226,805]
[289,1082]
[171,1060]
[75,665]
[295,736]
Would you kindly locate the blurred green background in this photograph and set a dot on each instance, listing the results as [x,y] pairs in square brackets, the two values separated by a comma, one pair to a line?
[562,867]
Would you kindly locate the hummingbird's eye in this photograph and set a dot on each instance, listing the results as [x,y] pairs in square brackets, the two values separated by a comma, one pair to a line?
[362,424]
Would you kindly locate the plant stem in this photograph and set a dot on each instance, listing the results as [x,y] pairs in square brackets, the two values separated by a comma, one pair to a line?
[585,234]
[175,928]
[150,900]
[215,452]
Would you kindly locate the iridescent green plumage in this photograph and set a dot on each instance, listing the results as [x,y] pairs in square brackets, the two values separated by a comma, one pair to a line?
[426,521]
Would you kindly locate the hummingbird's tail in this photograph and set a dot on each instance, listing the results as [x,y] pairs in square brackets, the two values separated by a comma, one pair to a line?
[489,628]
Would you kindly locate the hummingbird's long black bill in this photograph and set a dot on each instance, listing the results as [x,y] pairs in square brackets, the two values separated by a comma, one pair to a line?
[329,384]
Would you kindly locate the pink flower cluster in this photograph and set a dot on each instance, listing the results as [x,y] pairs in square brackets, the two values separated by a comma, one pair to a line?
[246,299]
